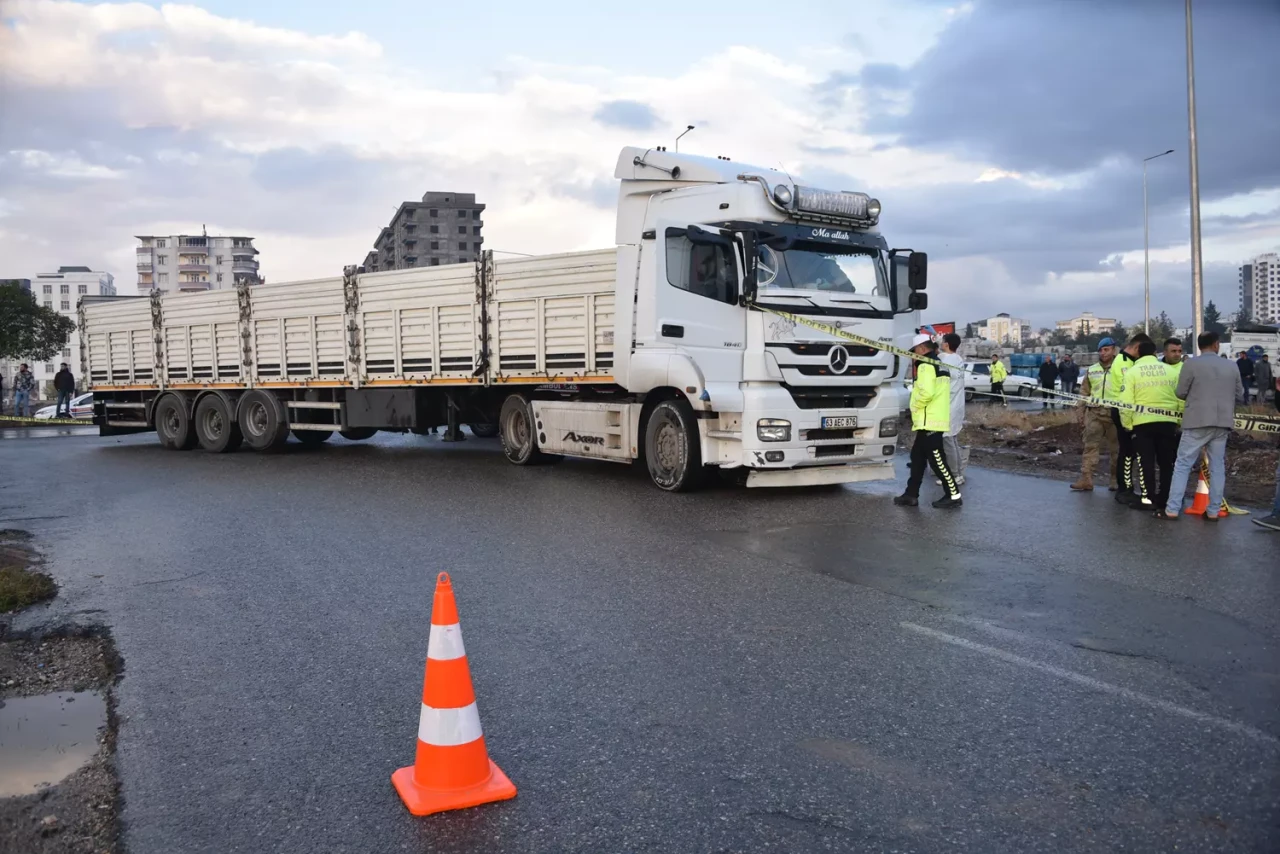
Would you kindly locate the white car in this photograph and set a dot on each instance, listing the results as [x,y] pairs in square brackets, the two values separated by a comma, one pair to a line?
[977,378]
[81,408]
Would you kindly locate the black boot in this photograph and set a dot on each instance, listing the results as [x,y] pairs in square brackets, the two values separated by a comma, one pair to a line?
[905,500]
[946,502]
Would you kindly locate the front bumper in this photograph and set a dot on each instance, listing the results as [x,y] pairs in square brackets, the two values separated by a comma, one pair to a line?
[822,475]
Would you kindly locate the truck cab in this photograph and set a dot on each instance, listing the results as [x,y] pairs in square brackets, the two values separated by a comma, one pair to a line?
[721,269]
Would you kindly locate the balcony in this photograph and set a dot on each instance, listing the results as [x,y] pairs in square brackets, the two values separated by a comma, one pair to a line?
[185,266]
[194,285]
[243,266]
[144,265]
[197,244]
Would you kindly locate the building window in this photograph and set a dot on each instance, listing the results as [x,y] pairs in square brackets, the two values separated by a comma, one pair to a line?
[220,281]
[462,229]
[48,289]
[160,243]
[435,262]
[476,230]
[475,214]
[84,289]
[48,367]
[462,214]
[162,259]
[217,259]
[433,212]
[162,278]
[435,244]
[435,229]
[66,289]
[48,303]
[66,352]
[66,305]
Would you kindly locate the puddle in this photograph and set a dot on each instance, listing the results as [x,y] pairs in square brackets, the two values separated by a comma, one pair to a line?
[45,738]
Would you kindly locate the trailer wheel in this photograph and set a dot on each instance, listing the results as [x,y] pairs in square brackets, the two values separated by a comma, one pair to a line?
[484,431]
[263,421]
[216,430]
[671,447]
[173,424]
[518,429]
[357,434]
[312,438]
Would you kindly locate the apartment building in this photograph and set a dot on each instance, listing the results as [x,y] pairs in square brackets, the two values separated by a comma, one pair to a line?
[195,262]
[1005,330]
[61,291]
[1086,324]
[1259,284]
[443,228]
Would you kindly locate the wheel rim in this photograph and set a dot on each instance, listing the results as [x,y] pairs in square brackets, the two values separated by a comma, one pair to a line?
[213,424]
[172,422]
[518,433]
[255,421]
[668,453]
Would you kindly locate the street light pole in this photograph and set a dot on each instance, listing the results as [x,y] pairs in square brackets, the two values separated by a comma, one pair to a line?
[1146,247]
[1197,262]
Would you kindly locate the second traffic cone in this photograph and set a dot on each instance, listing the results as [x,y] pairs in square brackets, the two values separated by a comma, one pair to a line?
[451,769]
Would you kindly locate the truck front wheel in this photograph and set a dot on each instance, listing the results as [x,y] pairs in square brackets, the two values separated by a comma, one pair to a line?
[173,424]
[671,447]
[484,431]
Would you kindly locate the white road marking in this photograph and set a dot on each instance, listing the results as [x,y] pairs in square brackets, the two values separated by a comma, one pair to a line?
[1096,684]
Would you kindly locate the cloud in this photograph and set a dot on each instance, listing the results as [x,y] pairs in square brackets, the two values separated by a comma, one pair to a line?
[631,115]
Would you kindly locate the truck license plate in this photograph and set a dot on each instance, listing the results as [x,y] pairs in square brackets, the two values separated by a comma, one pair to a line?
[839,421]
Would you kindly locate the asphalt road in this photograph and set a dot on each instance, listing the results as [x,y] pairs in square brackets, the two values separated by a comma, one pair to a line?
[731,671]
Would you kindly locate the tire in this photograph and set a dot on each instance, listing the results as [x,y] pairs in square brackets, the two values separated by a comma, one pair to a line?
[968,395]
[484,431]
[216,430]
[173,424]
[1024,391]
[672,450]
[518,429]
[357,434]
[263,421]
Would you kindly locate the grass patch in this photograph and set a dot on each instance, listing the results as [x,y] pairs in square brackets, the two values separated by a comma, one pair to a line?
[21,587]
[14,535]
[998,418]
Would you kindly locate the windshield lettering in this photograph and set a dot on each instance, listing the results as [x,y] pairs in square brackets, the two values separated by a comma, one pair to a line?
[826,234]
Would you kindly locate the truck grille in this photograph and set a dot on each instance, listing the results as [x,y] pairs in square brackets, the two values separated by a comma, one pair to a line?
[822,349]
[835,451]
[833,397]
[819,435]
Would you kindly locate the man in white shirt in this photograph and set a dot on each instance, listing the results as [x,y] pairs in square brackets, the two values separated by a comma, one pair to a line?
[951,440]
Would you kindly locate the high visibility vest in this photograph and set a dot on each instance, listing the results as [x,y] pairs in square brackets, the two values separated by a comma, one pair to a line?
[998,372]
[1101,383]
[1149,382]
[931,399]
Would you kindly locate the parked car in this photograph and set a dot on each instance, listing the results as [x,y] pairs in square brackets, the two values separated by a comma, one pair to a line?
[977,378]
[81,407]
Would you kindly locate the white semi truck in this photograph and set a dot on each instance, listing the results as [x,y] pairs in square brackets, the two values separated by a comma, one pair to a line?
[667,349]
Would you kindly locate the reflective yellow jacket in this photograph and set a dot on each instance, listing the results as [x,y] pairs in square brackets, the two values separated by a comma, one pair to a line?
[931,399]
[1149,382]
[998,372]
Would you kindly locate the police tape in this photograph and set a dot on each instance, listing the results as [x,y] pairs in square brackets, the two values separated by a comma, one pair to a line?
[9,420]
[1248,423]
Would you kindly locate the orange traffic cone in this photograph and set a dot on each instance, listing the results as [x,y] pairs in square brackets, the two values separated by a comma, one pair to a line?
[452,769]
[1200,505]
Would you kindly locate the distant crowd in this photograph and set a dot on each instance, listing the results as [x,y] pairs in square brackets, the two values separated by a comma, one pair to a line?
[24,388]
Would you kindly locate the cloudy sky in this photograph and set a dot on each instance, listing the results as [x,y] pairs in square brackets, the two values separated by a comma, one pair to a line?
[1003,137]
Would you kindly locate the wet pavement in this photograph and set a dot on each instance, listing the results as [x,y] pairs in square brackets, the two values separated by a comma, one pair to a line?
[46,737]
[728,671]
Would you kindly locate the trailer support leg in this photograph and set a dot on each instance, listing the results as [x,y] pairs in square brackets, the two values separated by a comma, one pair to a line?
[452,432]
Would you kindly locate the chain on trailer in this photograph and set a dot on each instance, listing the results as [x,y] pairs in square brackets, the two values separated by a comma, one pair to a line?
[351,307]
[1243,422]
[244,300]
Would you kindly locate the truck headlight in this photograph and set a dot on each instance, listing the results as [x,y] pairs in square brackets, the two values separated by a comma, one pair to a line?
[773,430]
[888,428]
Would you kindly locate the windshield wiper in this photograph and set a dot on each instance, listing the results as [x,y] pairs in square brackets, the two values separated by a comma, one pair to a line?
[810,300]
[862,301]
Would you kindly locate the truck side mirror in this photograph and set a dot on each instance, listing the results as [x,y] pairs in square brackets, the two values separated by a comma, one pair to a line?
[917,271]
[751,257]
[918,301]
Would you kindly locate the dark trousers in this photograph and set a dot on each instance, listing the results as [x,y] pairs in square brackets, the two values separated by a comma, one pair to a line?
[926,452]
[1127,470]
[998,388]
[1157,446]
[1046,389]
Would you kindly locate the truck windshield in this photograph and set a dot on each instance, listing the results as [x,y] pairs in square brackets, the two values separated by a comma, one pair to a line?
[823,267]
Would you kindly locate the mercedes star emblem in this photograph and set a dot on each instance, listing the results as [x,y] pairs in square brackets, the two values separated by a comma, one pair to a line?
[838,359]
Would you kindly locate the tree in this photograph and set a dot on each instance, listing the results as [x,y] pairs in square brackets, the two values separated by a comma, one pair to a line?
[1118,334]
[1058,337]
[1162,328]
[1213,319]
[969,331]
[28,330]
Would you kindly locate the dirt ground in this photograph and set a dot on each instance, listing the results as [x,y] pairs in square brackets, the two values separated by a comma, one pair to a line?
[80,814]
[1049,443]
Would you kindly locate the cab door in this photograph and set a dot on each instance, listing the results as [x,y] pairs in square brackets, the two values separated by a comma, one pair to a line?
[696,303]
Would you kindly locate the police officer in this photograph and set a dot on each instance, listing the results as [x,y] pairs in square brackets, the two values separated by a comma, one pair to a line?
[1098,426]
[998,373]
[930,419]
[1151,383]
[1129,471]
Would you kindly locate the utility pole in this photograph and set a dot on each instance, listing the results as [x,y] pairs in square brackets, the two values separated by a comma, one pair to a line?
[1197,263]
[1146,247]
